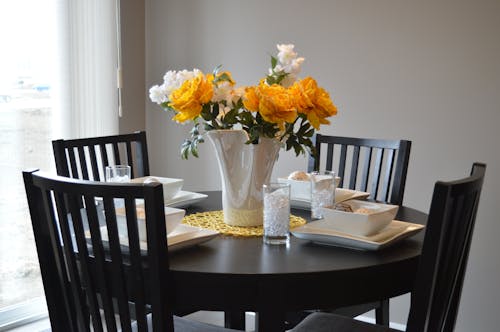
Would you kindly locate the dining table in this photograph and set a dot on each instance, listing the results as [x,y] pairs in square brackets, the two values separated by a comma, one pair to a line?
[237,274]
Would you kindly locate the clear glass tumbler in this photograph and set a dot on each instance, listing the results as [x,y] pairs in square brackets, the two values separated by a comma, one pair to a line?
[118,173]
[276,213]
[322,192]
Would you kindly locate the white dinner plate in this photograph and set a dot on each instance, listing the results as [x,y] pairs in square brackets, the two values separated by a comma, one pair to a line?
[182,236]
[184,199]
[341,195]
[394,232]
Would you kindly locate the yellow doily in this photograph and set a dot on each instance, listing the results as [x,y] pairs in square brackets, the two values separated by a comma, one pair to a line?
[214,220]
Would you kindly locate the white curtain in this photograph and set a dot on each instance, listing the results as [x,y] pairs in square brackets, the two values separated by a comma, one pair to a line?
[88,104]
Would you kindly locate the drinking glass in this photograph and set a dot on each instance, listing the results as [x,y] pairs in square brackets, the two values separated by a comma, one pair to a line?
[118,173]
[322,192]
[276,213]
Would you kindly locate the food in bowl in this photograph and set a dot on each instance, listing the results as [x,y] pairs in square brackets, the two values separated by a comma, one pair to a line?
[361,218]
[171,186]
[300,185]
[299,176]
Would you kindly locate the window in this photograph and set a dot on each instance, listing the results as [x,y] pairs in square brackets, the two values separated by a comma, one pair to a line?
[57,80]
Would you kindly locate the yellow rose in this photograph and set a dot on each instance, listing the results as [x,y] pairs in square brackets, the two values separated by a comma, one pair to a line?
[313,101]
[188,100]
[274,103]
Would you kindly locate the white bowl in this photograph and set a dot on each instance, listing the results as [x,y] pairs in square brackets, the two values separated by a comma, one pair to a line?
[171,187]
[372,218]
[173,218]
[301,189]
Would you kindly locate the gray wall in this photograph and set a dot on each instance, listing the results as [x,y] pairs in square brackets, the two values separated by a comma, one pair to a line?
[132,19]
[428,71]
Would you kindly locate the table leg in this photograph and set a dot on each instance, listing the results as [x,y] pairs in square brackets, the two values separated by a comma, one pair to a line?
[382,313]
[270,321]
[234,320]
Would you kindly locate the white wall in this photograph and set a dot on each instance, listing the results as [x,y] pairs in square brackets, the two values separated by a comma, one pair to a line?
[428,71]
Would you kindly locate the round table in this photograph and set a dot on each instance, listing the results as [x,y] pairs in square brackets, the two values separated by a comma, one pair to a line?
[243,274]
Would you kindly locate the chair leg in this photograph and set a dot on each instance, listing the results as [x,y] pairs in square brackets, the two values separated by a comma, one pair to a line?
[234,320]
[382,313]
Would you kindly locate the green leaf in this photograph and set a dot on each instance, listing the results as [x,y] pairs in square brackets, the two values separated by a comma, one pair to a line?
[274,62]
[298,148]
[194,149]
[216,70]
[185,152]
[309,133]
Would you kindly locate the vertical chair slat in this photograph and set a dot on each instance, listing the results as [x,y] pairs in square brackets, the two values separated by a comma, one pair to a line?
[68,248]
[313,163]
[83,164]
[329,157]
[93,163]
[116,153]
[52,265]
[158,259]
[130,160]
[72,160]
[354,168]
[387,178]
[135,258]
[141,153]
[99,260]
[377,166]
[366,171]
[342,165]
[104,154]
[81,243]
[116,265]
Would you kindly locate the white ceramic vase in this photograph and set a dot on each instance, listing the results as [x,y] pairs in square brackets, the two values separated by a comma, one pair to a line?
[244,168]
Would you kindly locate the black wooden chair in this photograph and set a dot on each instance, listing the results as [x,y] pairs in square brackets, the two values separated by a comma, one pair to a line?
[377,166]
[440,275]
[87,158]
[90,274]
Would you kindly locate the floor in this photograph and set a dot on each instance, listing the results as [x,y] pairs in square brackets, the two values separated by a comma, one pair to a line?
[211,317]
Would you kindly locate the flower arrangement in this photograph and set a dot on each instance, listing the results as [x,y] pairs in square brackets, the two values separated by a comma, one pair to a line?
[281,106]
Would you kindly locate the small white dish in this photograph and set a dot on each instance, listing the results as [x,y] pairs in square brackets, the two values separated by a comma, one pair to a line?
[341,195]
[393,233]
[184,199]
[364,219]
[171,186]
[173,218]
[301,189]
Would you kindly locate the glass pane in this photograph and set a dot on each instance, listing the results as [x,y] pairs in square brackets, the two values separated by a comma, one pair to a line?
[28,37]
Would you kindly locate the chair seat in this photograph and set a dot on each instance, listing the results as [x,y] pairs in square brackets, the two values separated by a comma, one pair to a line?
[326,322]
[186,325]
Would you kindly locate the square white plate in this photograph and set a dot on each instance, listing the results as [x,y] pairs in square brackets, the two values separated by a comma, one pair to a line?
[184,199]
[182,236]
[394,232]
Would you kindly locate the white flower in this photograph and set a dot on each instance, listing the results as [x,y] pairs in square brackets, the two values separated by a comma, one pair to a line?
[287,59]
[222,92]
[157,94]
[172,80]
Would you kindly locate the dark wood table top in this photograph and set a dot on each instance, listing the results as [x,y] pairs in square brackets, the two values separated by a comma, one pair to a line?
[240,273]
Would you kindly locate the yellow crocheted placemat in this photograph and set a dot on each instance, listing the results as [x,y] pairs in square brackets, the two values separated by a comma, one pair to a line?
[214,220]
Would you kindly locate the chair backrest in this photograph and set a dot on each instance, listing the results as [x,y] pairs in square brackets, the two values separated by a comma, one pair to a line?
[87,158]
[88,269]
[377,166]
[443,262]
